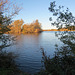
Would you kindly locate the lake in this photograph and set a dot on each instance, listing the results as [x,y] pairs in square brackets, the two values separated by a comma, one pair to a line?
[28,48]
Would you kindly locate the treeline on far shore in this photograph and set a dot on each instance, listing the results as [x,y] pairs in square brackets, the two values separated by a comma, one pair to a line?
[70,28]
[18,27]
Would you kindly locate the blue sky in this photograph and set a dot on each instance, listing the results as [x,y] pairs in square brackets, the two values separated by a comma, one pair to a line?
[38,9]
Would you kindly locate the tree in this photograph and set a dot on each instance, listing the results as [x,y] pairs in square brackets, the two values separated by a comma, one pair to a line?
[3,29]
[7,12]
[64,19]
[64,59]
[16,26]
[31,28]
[37,24]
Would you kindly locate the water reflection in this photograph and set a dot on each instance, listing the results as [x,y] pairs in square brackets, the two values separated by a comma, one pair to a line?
[28,47]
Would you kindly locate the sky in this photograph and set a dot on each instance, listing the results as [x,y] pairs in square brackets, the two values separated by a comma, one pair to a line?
[38,9]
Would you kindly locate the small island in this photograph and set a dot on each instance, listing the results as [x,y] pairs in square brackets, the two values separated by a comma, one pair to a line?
[18,27]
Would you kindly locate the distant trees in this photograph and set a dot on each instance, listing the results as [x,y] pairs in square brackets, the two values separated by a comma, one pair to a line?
[31,28]
[71,27]
[18,27]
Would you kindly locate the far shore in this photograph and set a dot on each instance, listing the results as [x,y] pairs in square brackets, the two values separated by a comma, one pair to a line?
[58,30]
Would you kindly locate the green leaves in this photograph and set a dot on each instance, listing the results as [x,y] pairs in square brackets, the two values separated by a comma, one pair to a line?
[63,17]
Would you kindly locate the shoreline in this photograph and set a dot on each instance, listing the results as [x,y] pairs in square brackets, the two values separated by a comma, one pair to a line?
[58,30]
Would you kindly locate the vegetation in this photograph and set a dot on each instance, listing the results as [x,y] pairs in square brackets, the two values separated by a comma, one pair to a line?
[15,27]
[5,20]
[70,28]
[18,27]
[64,59]
[63,62]
[31,28]
[7,65]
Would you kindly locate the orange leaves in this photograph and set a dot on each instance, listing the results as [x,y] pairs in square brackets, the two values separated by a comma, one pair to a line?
[18,27]
[31,28]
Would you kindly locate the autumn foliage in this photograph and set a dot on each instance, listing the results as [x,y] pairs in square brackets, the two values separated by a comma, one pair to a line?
[18,27]
[15,27]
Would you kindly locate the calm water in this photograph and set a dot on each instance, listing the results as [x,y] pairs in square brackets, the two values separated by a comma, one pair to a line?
[28,47]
